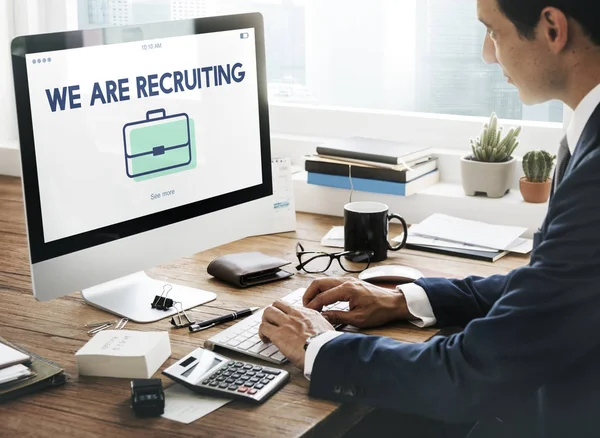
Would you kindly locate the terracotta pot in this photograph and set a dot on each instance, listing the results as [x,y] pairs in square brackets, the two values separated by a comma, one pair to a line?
[533,192]
[490,179]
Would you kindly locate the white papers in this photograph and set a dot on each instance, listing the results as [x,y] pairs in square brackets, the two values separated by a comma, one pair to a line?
[334,238]
[448,228]
[14,373]
[185,406]
[519,245]
[9,356]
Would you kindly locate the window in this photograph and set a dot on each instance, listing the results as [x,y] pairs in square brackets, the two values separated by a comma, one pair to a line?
[404,55]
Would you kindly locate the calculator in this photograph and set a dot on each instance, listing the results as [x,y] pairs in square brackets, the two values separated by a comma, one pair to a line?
[207,372]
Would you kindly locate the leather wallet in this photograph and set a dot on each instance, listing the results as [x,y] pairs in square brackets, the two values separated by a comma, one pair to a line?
[247,269]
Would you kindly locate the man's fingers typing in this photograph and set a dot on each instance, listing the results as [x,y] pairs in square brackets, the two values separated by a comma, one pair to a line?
[274,316]
[265,331]
[338,317]
[318,286]
[284,307]
[341,292]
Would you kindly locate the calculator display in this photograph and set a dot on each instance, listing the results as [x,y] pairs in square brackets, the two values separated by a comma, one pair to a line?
[199,364]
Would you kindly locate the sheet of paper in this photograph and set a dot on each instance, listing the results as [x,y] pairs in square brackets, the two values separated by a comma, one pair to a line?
[186,406]
[334,238]
[13,373]
[9,356]
[521,246]
[458,230]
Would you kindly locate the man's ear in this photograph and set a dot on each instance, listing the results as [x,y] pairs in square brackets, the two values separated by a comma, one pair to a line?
[554,27]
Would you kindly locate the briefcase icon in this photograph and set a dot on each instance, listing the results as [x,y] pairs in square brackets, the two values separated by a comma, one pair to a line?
[159,145]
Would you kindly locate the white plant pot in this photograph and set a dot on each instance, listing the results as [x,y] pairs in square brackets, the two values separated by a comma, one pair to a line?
[490,179]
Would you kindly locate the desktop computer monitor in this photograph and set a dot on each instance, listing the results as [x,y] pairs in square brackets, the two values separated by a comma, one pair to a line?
[140,145]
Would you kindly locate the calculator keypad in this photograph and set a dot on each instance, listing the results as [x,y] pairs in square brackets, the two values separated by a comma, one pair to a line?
[241,377]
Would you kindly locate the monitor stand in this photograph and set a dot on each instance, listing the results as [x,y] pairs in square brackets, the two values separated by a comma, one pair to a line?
[131,297]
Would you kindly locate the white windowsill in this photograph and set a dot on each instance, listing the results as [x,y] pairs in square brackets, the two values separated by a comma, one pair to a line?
[447,198]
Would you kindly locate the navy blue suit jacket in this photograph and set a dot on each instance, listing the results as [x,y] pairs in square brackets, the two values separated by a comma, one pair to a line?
[527,363]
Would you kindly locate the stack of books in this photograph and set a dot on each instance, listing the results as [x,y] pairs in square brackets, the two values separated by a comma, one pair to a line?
[372,165]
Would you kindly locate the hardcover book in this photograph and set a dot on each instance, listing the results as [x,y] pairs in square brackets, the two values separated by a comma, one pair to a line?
[371,149]
[375,186]
[317,164]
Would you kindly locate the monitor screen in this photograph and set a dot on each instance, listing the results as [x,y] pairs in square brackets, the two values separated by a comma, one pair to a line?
[138,133]
[120,140]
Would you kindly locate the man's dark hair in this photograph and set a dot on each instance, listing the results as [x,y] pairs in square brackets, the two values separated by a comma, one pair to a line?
[525,14]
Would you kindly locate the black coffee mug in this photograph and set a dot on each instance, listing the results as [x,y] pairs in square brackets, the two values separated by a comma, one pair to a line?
[366,227]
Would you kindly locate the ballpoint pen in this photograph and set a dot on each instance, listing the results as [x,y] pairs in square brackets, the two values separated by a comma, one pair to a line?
[203,325]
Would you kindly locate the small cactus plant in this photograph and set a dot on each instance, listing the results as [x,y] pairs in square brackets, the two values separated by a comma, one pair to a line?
[537,166]
[490,147]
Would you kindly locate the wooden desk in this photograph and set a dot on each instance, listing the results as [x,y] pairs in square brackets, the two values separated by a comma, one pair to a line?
[88,406]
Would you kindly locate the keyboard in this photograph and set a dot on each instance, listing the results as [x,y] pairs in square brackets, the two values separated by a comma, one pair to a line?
[242,337]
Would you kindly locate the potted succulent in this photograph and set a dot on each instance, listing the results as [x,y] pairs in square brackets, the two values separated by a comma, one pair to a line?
[536,184]
[490,170]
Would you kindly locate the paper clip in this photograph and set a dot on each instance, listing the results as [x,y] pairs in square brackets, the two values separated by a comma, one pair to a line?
[100,328]
[121,324]
[161,302]
[181,324]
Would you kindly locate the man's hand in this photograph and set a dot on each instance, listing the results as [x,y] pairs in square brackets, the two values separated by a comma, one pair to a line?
[288,328]
[369,305]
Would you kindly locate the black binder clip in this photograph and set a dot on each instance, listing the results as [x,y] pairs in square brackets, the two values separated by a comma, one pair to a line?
[179,322]
[161,302]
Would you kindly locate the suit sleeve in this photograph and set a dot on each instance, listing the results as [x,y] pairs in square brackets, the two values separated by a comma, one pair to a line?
[458,302]
[525,340]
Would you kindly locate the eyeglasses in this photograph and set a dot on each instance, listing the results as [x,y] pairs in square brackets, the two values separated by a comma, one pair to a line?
[315,262]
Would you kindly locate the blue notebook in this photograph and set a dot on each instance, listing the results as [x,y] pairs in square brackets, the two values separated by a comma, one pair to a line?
[375,186]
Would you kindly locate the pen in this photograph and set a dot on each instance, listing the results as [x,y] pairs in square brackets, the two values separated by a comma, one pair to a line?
[196,327]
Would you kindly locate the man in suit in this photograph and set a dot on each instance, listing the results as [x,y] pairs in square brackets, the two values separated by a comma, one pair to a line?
[527,362]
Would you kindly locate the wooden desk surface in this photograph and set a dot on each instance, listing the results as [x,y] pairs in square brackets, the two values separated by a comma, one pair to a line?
[87,406]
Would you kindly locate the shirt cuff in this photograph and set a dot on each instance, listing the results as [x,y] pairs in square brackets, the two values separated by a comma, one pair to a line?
[418,305]
[313,350]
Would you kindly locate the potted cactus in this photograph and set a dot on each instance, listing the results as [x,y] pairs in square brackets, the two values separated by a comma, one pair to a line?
[490,170]
[535,185]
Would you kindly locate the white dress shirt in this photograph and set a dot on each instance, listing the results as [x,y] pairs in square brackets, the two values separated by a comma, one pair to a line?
[581,117]
[417,303]
[416,299]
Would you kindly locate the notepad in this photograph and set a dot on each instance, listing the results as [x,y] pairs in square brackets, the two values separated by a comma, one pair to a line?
[123,354]
[9,356]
